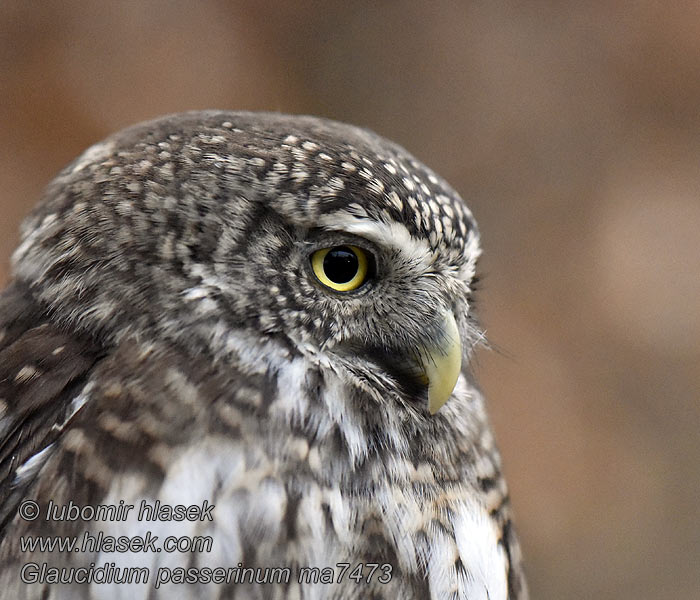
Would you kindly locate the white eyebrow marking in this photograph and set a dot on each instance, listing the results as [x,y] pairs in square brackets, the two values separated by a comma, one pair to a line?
[393,235]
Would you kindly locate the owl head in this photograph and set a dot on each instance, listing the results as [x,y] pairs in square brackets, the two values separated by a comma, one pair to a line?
[312,235]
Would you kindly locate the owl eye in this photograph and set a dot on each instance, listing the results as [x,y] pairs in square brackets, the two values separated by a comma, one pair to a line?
[341,268]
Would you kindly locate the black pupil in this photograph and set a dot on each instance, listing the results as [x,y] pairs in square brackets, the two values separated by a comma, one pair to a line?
[340,264]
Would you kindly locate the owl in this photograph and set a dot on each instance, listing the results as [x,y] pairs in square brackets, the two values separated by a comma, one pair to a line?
[234,364]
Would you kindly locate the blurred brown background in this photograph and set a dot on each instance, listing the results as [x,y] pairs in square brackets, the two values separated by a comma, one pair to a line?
[573,131]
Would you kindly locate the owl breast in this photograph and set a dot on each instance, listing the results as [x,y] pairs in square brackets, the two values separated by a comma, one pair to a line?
[319,503]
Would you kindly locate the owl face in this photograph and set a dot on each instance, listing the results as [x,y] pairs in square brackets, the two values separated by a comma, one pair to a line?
[317,234]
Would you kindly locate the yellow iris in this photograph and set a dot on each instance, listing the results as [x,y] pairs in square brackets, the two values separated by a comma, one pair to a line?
[341,268]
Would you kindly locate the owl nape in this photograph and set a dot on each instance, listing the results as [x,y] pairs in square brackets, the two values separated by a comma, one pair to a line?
[234,363]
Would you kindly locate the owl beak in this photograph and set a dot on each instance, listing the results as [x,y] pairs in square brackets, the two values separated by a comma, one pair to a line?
[442,364]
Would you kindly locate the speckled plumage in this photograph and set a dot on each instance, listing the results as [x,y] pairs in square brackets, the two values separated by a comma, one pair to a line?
[163,337]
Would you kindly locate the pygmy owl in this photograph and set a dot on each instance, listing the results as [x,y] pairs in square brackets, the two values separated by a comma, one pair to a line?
[253,329]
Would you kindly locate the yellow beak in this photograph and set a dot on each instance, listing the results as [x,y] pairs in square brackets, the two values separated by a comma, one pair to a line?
[442,364]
